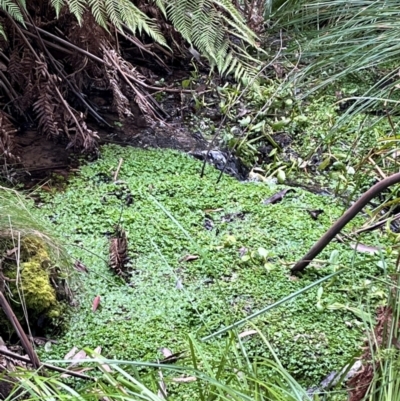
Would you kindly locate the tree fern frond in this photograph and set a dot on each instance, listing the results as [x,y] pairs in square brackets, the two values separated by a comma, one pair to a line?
[222,56]
[241,70]
[2,33]
[160,4]
[227,63]
[13,9]
[232,65]
[209,25]
[114,8]
[235,20]
[57,5]
[208,35]
[181,13]
[77,7]
[239,33]
[22,4]
[98,9]
[136,20]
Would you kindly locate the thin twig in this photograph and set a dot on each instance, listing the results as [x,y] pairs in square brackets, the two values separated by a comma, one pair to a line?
[66,43]
[127,78]
[118,168]
[20,332]
[46,365]
[9,86]
[140,45]
[377,168]
[50,44]
[377,224]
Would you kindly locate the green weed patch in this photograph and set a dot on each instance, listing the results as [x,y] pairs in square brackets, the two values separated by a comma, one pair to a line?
[242,251]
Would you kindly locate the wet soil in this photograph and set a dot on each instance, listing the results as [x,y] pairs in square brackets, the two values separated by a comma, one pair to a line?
[41,157]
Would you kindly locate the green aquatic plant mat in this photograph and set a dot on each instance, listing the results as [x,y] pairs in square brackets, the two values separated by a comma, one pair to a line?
[204,256]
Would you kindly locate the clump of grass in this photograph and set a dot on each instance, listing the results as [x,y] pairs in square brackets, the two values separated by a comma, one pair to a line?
[232,376]
[18,219]
[378,379]
[35,272]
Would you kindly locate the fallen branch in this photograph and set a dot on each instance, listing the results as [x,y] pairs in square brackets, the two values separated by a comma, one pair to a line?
[20,332]
[342,221]
[378,224]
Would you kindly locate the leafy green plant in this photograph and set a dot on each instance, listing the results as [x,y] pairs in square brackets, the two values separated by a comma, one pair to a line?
[261,254]
[378,380]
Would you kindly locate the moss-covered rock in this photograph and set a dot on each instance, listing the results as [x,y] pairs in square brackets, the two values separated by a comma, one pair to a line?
[31,285]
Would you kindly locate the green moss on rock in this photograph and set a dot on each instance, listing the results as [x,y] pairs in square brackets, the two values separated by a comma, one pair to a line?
[30,285]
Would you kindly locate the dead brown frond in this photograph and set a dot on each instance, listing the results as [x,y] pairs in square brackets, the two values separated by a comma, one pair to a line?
[51,64]
[121,102]
[89,37]
[15,68]
[56,118]
[46,107]
[134,81]
[8,150]
[21,72]
[119,253]
[83,138]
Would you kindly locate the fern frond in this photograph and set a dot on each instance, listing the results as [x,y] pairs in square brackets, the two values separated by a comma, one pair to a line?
[77,7]
[227,62]
[239,33]
[99,11]
[160,4]
[232,65]
[136,20]
[235,20]
[208,34]
[181,13]
[57,5]
[13,9]
[209,25]
[114,13]
[222,56]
